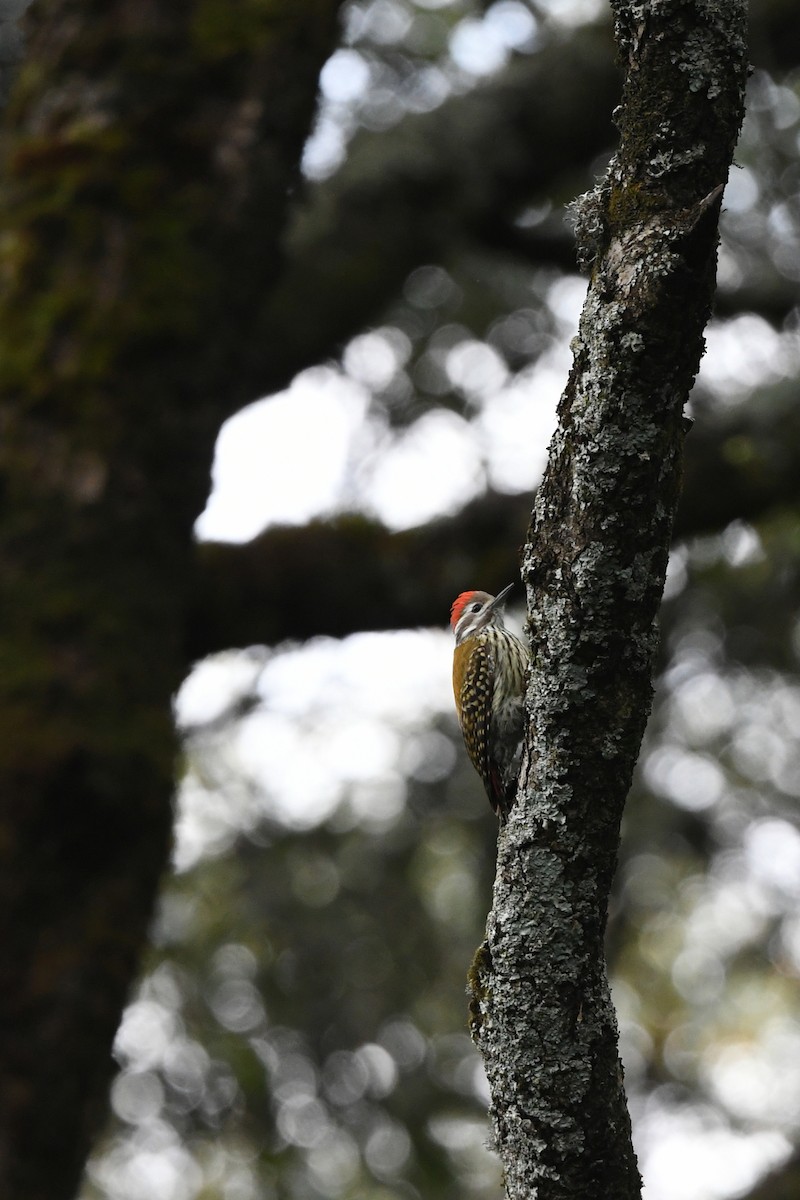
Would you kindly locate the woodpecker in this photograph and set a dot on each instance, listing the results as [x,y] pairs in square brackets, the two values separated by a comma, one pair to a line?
[489,666]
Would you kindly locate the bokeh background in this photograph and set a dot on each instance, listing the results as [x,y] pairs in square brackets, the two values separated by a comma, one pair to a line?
[299,1031]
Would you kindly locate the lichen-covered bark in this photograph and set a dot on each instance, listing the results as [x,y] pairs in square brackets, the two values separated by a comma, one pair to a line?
[145,167]
[594,568]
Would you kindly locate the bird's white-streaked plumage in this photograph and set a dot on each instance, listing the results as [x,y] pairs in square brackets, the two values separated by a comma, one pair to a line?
[489,665]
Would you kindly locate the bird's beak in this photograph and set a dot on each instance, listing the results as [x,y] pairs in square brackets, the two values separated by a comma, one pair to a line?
[500,597]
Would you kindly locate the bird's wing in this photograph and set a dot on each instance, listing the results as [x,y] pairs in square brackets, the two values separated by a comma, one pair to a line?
[476,713]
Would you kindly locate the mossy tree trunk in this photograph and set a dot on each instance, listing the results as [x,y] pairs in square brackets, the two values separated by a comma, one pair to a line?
[148,154]
[594,567]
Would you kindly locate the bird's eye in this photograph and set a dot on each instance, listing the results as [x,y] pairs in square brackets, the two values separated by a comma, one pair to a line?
[476,608]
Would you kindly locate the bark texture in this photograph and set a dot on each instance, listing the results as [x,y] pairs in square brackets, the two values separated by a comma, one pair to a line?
[594,568]
[146,163]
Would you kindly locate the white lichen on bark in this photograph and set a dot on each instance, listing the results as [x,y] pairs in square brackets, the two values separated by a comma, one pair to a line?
[594,568]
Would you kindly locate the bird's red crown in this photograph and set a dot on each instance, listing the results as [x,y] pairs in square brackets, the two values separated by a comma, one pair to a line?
[458,606]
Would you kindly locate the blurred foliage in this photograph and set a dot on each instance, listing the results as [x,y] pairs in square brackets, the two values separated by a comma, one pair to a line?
[300,1029]
[304,1014]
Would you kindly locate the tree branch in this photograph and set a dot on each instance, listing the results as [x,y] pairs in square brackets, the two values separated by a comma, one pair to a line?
[356,237]
[781,1184]
[10,43]
[272,588]
[468,166]
[594,566]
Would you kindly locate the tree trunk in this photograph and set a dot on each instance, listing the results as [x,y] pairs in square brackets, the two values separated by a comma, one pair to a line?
[149,152]
[594,567]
